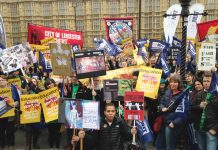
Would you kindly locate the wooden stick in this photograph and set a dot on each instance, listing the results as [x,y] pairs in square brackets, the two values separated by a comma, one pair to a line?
[81,144]
[74,133]
[133,138]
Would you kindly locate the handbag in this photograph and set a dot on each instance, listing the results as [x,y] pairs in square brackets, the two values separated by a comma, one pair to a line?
[158,123]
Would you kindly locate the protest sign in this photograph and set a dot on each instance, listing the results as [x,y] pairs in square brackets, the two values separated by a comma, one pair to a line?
[15,57]
[110,90]
[128,47]
[124,85]
[119,29]
[89,64]
[47,40]
[134,106]
[31,109]
[49,101]
[38,32]
[14,81]
[81,114]
[149,81]
[6,103]
[207,56]
[61,59]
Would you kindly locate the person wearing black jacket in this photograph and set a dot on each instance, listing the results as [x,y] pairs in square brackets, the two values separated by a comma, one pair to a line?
[112,134]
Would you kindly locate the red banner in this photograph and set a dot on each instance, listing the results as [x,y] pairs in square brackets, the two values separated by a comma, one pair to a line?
[204,27]
[134,106]
[37,33]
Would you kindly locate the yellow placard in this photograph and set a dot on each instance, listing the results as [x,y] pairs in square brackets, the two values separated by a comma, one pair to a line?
[47,40]
[149,82]
[49,100]
[5,93]
[14,81]
[128,47]
[41,48]
[138,58]
[31,109]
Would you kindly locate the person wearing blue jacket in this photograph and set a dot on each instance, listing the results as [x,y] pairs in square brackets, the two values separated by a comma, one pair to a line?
[175,112]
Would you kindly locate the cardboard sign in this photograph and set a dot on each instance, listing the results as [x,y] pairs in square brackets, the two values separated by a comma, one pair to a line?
[110,90]
[134,106]
[61,59]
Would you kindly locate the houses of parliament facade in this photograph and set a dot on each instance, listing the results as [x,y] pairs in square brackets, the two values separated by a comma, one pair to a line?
[87,16]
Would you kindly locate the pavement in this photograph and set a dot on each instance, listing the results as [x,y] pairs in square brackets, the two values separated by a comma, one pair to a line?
[43,140]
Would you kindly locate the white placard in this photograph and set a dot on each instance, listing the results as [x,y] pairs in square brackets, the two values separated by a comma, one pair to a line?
[207,56]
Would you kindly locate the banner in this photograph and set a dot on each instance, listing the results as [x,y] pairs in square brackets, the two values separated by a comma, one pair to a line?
[149,81]
[207,56]
[38,32]
[170,22]
[82,114]
[15,57]
[6,103]
[134,106]
[156,46]
[2,34]
[61,59]
[193,20]
[204,27]
[31,109]
[119,29]
[49,101]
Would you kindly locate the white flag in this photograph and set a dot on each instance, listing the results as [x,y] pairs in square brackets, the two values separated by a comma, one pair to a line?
[170,22]
[2,33]
[193,20]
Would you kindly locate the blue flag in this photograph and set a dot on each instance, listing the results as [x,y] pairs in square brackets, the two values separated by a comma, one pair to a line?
[192,51]
[156,46]
[107,47]
[15,93]
[44,63]
[140,43]
[162,64]
[214,84]
[178,61]
[144,131]
[176,42]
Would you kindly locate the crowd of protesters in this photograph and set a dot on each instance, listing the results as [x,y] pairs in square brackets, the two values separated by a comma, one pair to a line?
[181,125]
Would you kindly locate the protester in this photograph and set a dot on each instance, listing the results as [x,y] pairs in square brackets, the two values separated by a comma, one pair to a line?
[7,136]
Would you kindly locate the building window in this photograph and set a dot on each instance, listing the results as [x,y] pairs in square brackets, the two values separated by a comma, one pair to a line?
[96,25]
[46,9]
[62,7]
[96,7]
[29,9]
[157,6]
[113,7]
[147,5]
[63,24]
[15,27]
[80,25]
[130,6]
[48,23]
[16,40]
[80,9]
[14,10]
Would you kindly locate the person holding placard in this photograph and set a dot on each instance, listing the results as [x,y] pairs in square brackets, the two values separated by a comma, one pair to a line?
[113,131]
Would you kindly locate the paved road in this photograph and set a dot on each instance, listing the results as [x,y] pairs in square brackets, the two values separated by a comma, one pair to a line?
[43,140]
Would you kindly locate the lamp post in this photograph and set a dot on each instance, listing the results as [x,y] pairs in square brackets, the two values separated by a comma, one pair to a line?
[74,4]
[185,13]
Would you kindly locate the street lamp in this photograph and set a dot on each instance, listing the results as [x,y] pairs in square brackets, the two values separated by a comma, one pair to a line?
[184,13]
[74,4]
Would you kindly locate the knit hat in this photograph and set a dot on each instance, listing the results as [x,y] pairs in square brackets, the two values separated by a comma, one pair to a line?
[163,81]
